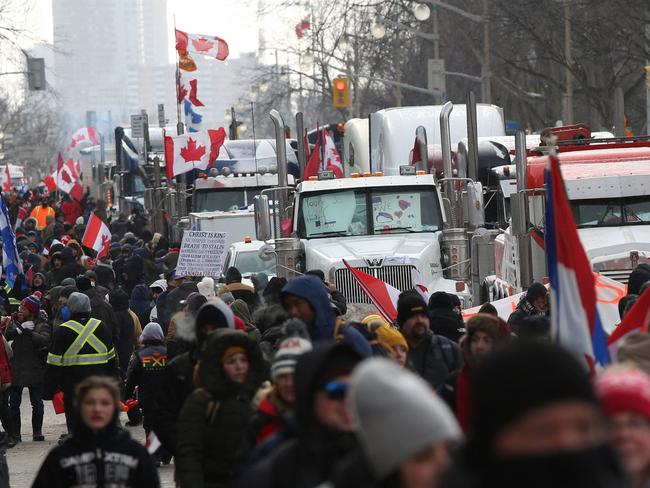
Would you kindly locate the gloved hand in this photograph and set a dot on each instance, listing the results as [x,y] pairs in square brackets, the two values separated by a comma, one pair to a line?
[28,325]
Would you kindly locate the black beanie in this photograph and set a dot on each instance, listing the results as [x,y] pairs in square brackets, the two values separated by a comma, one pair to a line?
[410,303]
[516,380]
[233,275]
[83,283]
[535,291]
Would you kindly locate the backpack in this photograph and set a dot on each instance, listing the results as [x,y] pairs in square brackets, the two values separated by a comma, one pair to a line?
[445,350]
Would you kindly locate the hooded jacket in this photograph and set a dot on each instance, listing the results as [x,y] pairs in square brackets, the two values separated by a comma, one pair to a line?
[213,421]
[140,302]
[110,458]
[310,459]
[313,290]
[30,350]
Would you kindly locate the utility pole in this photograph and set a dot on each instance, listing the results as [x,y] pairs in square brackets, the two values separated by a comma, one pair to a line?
[436,43]
[487,74]
[567,116]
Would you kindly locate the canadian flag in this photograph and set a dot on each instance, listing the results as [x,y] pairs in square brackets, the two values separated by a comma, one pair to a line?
[211,46]
[86,136]
[382,295]
[634,322]
[313,164]
[332,156]
[196,150]
[187,89]
[6,182]
[97,236]
[66,179]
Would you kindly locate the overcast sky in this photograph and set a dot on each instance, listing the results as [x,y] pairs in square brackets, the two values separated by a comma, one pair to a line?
[233,20]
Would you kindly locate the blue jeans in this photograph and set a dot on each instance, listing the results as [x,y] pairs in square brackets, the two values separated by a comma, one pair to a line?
[36,399]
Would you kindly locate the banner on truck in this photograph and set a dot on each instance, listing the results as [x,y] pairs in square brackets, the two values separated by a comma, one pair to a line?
[202,253]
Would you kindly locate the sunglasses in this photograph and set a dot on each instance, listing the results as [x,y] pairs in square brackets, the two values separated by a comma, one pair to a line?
[336,390]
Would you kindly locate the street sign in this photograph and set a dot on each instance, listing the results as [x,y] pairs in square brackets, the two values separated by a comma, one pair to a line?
[137,126]
[161,115]
[436,75]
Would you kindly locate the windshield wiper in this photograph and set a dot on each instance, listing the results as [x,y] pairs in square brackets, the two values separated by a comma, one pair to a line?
[408,229]
[340,233]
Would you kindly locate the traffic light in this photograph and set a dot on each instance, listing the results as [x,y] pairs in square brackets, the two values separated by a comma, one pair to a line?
[341,92]
[36,73]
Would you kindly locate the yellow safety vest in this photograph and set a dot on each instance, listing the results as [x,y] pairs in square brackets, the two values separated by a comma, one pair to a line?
[85,335]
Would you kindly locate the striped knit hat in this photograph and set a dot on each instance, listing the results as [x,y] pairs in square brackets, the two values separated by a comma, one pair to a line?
[32,304]
[286,357]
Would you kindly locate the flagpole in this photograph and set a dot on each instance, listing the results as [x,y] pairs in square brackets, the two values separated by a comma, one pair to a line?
[254,140]
[179,124]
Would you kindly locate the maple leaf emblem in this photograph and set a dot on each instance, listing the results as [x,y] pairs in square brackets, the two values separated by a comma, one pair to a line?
[182,92]
[191,152]
[106,244]
[65,176]
[202,45]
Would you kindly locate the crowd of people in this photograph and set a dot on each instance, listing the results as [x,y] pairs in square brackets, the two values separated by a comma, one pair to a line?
[273,383]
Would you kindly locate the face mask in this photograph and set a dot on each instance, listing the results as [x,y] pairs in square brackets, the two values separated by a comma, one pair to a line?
[65,312]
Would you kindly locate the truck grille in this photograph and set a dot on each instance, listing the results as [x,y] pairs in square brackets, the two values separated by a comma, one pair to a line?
[622,275]
[397,276]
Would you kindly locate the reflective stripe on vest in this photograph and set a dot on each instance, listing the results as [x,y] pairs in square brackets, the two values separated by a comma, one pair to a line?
[85,335]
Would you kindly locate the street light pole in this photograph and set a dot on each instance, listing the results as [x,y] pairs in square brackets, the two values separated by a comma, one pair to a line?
[487,74]
[568,100]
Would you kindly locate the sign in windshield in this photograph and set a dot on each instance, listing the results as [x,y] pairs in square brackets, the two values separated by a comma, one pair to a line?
[369,211]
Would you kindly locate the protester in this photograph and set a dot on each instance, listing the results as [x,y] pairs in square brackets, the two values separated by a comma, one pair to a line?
[433,357]
[31,337]
[99,452]
[625,396]
[239,290]
[213,420]
[336,297]
[390,339]
[324,425]
[535,422]
[129,328]
[414,452]
[532,303]
[444,313]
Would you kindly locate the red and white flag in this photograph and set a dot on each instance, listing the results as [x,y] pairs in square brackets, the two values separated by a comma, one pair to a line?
[6,182]
[187,88]
[634,322]
[313,165]
[97,236]
[86,136]
[211,46]
[152,443]
[419,286]
[23,213]
[194,150]
[332,156]
[382,295]
[66,179]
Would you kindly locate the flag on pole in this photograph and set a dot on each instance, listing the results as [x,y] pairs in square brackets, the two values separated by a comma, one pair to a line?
[419,286]
[6,184]
[634,322]
[196,150]
[381,294]
[11,263]
[187,90]
[193,120]
[332,156]
[86,136]
[575,319]
[211,46]
[313,163]
[97,236]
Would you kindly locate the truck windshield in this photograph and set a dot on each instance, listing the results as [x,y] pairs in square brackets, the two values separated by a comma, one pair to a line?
[611,212]
[249,262]
[224,199]
[369,211]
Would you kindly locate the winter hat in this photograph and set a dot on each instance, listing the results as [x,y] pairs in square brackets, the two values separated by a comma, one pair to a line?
[623,389]
[152,333]
[215,312]
[162,284]
[233,275]
[194,302]
[78,303]
[32,304]
[378,390]
[386,335]
[535,291]
[286,357]
[206,287]
[317,273]
[83,283]
[231,351]
[441,299]
[69,282]
[410,303]
[514,381]
[68,290]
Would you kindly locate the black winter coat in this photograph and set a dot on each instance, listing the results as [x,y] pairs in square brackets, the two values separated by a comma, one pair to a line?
[30,352]
[146,371]
[213,421]
[108,459]
[434,358]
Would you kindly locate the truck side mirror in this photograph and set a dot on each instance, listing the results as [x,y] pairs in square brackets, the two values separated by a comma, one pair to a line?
[262,217]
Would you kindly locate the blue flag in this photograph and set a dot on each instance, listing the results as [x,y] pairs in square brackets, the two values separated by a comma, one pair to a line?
[11,263]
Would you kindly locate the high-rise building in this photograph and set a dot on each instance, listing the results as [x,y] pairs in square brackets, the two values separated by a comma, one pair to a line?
[103,49]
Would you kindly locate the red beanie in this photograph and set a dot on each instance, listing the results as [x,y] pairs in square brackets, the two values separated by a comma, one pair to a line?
[240,324]
[625,390]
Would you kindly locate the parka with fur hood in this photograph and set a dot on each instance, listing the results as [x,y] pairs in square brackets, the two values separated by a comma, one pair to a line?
[214,417]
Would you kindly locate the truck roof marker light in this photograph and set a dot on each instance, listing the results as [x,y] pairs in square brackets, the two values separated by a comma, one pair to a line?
[460,286]
[248,239]
[379,173]
[312,178]
[366,174]
[420,172]
[354,175]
